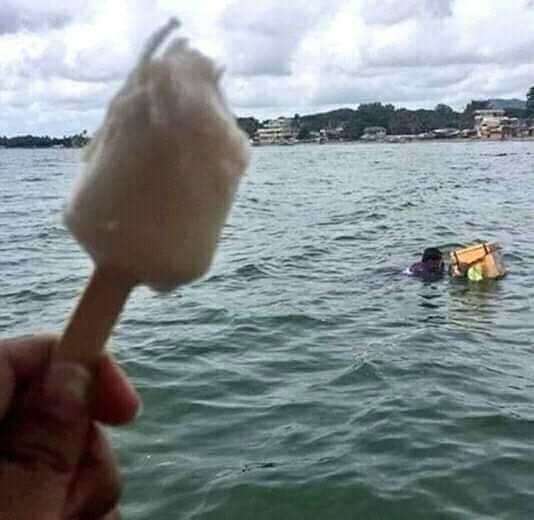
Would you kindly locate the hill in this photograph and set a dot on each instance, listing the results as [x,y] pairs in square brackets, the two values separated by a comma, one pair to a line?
[503,104]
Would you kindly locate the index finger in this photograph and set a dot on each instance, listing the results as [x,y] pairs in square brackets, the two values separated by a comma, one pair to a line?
[115,400]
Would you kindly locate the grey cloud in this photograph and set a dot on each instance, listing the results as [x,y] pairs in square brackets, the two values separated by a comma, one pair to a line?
[261,39]
[262,56]
[38,121]
[49,96]
[516,54]
[96,101]
[438,8]
[16,100]
[20,16]
[443,77]
[390,12]
[437,39]
[267,91]
[353,91]
[98,65]
[112,75]
[439,46]
[429,43]
[454,85]
[47,64]
[94,65]
[496,81]
[274,18]
[424,56]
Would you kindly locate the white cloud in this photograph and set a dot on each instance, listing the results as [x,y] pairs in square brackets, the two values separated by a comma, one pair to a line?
[389,12]
[262,38]
[61,61]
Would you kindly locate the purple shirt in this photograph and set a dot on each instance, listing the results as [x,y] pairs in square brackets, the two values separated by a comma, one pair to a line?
[423,271]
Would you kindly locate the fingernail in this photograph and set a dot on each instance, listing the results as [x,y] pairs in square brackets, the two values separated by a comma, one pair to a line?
[140,409]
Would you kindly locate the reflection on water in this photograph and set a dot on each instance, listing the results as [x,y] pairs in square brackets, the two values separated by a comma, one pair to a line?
[474,304]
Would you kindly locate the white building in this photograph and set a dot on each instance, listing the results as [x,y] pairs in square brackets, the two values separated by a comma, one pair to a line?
[276,131]
[494,124]
[374,133]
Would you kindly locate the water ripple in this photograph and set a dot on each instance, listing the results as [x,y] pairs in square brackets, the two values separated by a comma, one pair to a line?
[306,377]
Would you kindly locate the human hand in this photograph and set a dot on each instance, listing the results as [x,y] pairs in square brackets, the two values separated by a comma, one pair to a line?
[55,462]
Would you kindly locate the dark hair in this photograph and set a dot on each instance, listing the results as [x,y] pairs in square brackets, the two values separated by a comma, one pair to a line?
[432,253]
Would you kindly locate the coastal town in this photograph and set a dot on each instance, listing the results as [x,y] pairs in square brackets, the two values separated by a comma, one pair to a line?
[493,119]
[491,123]
[490,119]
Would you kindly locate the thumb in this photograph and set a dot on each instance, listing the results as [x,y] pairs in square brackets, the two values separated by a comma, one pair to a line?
[42,443]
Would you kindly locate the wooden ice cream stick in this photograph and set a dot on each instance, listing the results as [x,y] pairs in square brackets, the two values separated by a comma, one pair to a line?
[98,309]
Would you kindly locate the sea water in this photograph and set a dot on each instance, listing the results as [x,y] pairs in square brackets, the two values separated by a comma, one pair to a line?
[306,377]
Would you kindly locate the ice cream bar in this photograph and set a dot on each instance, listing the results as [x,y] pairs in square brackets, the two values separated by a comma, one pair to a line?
[159,179]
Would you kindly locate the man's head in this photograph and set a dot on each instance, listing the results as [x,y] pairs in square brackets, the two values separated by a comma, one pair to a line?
[433,259]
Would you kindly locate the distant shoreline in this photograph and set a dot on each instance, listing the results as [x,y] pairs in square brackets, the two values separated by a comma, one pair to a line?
[406,141]
[45,141]
[53,147]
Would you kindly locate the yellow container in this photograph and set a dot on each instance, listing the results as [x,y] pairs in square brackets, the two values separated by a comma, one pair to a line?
[478,262]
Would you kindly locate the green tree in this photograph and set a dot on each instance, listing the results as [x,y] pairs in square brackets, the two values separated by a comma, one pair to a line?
[375,114]
[441,108]
[353,129]
[530,102]
[516,112]
[444,116]
[406,122]
[304,133]
[476,104]
[295,122]
[77,140]
[248,125]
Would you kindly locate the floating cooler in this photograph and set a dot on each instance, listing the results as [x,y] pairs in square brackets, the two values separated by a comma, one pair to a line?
[479,262]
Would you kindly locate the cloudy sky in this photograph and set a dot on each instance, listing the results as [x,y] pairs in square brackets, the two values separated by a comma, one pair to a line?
[62,60]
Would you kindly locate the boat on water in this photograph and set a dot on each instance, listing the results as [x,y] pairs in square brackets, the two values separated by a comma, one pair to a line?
[446,133]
